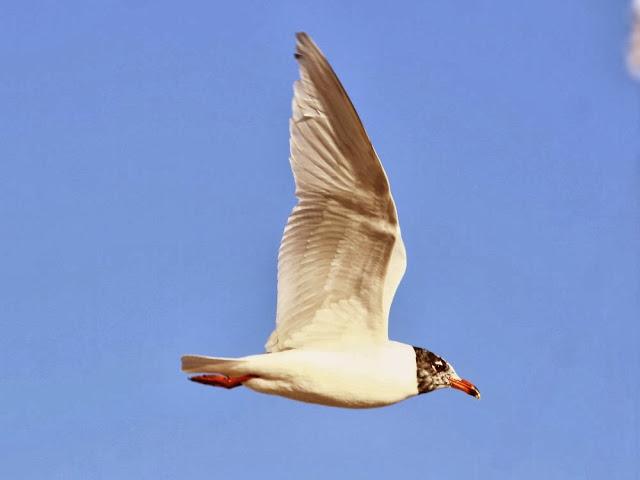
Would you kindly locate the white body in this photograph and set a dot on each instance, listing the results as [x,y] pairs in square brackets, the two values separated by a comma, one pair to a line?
[371,376]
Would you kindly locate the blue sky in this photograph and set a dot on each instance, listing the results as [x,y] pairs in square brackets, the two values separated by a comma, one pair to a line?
[144,186]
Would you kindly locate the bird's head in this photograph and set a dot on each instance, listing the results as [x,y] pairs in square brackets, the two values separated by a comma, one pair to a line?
[434,372]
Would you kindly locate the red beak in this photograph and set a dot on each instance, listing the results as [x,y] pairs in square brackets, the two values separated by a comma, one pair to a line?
[466,386]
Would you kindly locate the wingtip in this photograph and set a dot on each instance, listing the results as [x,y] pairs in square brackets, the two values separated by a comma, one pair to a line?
[304,43]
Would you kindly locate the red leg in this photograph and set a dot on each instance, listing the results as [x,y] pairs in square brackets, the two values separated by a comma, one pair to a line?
[221,380]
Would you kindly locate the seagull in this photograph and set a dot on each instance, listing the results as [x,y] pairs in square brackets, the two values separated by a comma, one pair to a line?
[340,262]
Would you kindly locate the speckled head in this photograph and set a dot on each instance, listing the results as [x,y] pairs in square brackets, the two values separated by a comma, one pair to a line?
[433,372]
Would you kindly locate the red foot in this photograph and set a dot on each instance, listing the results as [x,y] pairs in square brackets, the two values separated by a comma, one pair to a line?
[221,380]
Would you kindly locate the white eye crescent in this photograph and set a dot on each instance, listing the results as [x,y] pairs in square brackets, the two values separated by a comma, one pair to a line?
[440,366]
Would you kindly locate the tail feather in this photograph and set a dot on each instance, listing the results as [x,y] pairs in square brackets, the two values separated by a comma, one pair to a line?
[203,364]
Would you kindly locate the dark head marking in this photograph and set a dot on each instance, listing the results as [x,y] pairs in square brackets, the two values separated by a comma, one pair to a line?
[432,371]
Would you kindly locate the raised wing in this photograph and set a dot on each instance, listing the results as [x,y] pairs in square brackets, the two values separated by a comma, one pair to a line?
[341,257]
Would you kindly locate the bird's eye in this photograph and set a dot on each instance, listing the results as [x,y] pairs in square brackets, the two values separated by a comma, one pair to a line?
[440,365]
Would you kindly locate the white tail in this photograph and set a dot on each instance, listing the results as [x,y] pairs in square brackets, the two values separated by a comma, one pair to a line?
[202,364]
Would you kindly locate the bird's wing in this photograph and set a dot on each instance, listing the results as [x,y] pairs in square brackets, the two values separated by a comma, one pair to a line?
[342,256]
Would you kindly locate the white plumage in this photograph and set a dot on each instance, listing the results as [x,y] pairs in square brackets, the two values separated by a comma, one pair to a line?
[327,289]
[340,262]
[361,376]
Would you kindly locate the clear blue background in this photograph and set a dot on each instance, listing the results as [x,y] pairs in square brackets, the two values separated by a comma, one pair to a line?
[144,186]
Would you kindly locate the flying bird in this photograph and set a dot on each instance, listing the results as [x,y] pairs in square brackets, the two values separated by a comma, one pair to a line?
[340,262]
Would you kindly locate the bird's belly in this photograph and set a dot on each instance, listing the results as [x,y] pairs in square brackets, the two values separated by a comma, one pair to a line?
[341,379]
